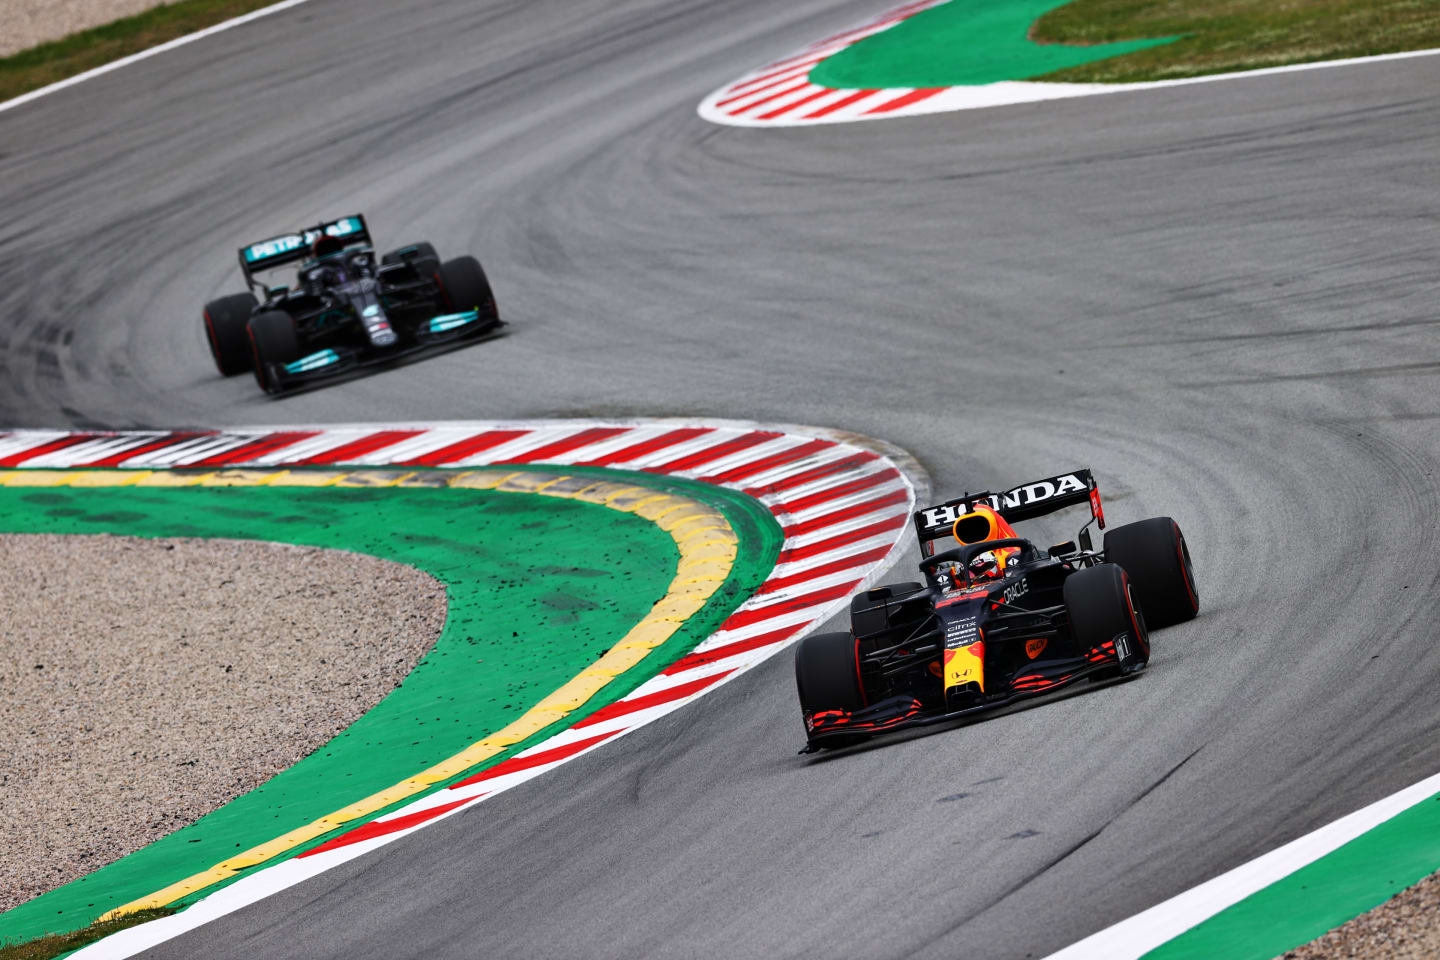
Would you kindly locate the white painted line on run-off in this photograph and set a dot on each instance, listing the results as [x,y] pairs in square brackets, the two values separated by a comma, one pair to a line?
[1133,938]
[146,54]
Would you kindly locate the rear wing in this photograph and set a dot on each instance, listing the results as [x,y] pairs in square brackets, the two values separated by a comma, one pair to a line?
[1018,503]
[291,247]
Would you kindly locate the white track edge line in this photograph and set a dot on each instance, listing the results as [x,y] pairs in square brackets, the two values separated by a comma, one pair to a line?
[148,53]
[1133,938]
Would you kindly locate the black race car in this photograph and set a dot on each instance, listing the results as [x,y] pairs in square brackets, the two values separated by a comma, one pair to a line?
[996,620]
[345,310]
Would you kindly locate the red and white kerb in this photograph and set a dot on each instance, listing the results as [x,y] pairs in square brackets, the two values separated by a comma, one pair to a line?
[842,505]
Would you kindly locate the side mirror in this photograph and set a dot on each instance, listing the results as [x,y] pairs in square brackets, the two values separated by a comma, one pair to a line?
[1086,543]
[1063,549]
[275,293]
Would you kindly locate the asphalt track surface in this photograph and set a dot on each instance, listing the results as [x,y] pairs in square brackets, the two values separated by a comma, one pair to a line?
[1221,297]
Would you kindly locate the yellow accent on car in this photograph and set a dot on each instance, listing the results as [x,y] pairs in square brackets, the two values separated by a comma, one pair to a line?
[965,665]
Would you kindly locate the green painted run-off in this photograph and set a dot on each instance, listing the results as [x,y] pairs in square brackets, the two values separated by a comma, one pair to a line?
[962,43]
[1338,887]
[537,587]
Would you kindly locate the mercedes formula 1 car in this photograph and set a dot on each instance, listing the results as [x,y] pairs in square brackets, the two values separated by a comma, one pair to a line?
[996,620]
[345,309]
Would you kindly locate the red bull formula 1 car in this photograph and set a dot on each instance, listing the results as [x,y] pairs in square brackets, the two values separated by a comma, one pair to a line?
[345,310]
[996,620]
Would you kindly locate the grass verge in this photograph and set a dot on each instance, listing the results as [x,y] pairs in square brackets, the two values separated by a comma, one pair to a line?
[52,62]
[56,944]
[1223,36]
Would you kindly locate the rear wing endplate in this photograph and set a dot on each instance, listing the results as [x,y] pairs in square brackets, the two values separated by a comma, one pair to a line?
[291,247]
[1018,503]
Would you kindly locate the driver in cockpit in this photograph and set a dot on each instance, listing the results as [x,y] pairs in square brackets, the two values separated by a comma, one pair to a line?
[332,267]
[981,524]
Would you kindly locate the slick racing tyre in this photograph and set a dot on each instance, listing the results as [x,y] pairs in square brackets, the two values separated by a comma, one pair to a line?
[826,674]
[272,340]
[867,610]
[424,257]
[1154,553]
[1102,610]
[464,286]
[225,321]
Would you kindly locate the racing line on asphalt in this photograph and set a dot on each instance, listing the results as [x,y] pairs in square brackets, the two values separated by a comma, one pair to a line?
[1190,290]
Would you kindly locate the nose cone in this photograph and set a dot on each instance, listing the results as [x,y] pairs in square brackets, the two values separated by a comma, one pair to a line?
[377,326]
[965,669]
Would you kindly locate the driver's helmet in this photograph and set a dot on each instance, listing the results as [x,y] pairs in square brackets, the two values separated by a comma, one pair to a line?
[984,523]
[326,246]
[987,566]
[361,260]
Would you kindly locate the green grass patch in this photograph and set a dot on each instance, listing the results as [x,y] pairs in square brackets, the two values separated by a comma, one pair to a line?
[536,588]
[1224,36]
[963,43]
[52,62]
[974,42]
[46,948]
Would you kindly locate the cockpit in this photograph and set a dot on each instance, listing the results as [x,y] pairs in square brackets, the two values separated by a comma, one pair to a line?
[335,267]
[980,525]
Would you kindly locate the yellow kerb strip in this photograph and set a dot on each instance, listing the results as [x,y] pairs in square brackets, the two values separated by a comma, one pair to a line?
[707,546]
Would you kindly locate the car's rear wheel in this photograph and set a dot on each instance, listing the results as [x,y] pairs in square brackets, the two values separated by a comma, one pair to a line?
[1155,555]
[225,321]
[464,286]
[1102,611]
[272,340]
[827,675]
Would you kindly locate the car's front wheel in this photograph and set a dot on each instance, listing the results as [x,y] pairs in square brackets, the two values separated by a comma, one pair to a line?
[1103,612]
[464,286]
[272,340]
[827,675]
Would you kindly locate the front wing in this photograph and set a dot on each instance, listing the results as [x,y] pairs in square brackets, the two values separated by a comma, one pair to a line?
[440,332]
[838,728]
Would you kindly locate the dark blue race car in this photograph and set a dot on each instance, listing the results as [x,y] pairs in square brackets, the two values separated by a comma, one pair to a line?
[997,620]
